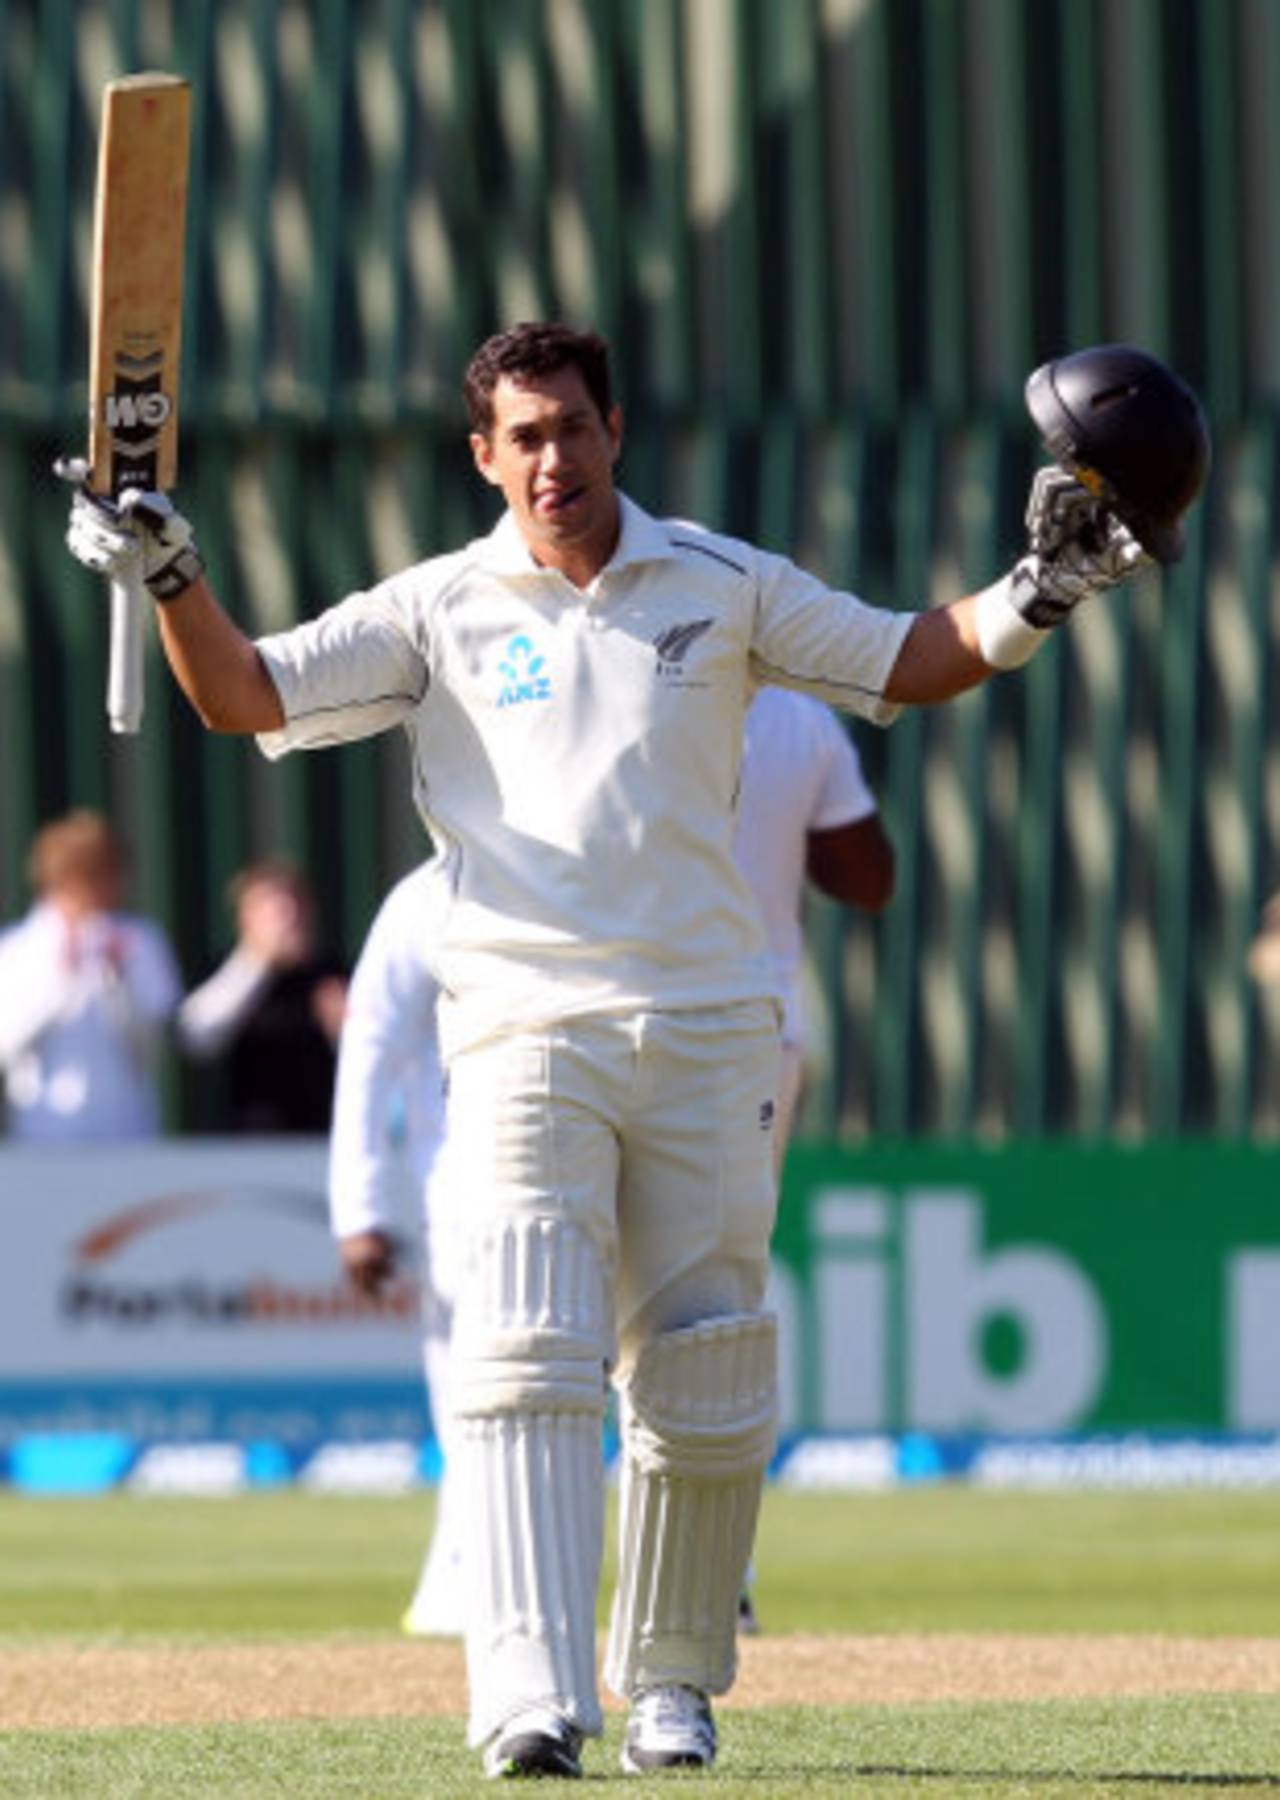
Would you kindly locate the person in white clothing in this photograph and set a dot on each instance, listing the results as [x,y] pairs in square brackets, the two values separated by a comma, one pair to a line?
[805,814]
[574,687]
[805,811]
[87,990]
[387,1165]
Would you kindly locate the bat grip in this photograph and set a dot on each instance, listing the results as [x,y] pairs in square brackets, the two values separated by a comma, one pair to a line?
[124,666]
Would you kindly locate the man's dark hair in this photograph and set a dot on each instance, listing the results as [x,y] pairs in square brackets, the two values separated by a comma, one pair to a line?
[525,353]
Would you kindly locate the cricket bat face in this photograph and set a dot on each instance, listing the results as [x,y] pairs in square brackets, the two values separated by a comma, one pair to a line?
[139,234]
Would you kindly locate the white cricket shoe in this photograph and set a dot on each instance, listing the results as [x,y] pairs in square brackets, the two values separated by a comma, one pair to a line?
[670,1728]
[536,1741]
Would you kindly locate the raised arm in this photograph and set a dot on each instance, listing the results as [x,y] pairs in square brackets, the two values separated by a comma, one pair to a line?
[1077,549]
[217,667]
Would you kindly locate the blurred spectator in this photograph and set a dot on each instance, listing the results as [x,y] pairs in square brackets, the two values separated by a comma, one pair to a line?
[85,991]
[273,1010]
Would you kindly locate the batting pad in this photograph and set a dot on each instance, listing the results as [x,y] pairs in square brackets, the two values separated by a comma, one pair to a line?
[699,1417]
[535,1497]
[528,1403]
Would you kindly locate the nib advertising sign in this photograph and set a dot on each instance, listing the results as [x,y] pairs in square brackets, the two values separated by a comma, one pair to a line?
[192,1291]
[1034,1288]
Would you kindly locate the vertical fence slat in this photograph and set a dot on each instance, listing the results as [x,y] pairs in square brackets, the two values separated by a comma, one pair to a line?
[779,214]
[1176,844]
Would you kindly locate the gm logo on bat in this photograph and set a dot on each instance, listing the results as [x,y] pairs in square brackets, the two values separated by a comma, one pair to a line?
[137,409]
[129,413]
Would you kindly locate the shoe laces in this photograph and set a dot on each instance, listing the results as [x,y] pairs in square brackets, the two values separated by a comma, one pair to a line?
[545,1721]
[672,1707]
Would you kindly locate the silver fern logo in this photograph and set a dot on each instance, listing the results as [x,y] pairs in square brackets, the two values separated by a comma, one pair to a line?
[675,643]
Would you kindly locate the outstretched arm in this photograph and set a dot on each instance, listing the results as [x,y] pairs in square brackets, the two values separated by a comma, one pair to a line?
[940,656]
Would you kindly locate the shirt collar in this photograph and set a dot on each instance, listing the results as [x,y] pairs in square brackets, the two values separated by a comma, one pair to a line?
[641,539]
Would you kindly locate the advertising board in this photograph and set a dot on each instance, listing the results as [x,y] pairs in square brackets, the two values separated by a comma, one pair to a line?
[190,1290]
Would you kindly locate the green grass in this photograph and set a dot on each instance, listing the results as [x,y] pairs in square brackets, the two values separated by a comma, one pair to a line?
[940,1559]
[958,1559]
[290,1565]
[1138,1747]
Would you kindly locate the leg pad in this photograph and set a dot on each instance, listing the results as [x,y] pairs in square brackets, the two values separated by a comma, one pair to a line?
[699,1417]
[527,1404]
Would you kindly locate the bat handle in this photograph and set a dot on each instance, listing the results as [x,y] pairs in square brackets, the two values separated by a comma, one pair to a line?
[124,667]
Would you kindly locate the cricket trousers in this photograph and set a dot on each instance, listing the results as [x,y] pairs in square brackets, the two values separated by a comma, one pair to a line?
[614,1181]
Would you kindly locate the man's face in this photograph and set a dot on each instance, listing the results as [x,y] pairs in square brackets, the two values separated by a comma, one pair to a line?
[275,922]
[552,455]
[92,887]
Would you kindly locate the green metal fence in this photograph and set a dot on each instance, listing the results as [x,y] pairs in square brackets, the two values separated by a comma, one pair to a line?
[816,203]
[829,238]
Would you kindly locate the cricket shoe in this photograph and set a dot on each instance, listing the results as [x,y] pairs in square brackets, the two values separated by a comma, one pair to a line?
[748,1617]
[670,1728]
[536,1741]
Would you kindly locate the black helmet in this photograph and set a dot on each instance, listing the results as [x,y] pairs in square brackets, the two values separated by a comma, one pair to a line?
[1129,430]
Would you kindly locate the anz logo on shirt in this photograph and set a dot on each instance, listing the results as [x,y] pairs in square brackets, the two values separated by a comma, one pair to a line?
[521,669]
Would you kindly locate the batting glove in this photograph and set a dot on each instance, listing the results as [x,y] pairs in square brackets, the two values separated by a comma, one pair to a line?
[1078,548]
[140,531]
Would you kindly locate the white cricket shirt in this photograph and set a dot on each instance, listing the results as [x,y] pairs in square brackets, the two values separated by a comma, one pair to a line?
[576,753]
[388,1101]
[800,773]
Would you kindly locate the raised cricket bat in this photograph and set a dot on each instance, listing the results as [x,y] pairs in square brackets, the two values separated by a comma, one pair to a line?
[136,329]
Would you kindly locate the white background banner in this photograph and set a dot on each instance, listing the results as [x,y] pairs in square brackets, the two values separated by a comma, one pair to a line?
[186,1258]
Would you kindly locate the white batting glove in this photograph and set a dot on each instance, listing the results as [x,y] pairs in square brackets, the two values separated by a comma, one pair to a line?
[1078,548]
[139,532]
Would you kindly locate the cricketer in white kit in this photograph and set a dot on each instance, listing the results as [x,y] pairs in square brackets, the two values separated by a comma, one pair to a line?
[573,687]
[806,813]
[803,799]
[388,1163]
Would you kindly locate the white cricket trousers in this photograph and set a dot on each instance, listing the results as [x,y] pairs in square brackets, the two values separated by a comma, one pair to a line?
[617,1178]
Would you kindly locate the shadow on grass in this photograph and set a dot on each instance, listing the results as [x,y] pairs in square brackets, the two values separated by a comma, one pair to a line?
[1121,1778]
[1098,1780]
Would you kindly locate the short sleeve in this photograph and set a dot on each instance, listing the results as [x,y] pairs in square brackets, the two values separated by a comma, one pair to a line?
[353,671]
[825,642]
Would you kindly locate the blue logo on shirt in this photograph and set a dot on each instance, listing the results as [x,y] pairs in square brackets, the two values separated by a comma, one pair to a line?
[522,677]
